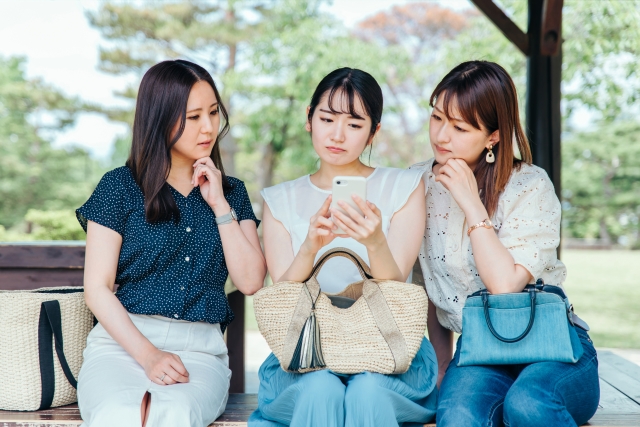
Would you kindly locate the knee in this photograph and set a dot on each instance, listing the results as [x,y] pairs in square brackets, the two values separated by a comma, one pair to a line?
[321,388]
[111,410]
[456,414]
[364,390]
[526,406]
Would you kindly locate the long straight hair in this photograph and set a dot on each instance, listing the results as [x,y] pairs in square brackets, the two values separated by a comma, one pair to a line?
[161,104]
[484,93]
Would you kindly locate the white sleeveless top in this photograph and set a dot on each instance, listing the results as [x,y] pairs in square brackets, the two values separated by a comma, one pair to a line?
[293,203]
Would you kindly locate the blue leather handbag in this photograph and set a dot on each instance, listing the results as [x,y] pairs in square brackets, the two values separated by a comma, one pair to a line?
[535,325]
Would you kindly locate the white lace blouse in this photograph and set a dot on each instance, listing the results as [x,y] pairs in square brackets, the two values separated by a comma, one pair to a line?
[293,203]
[527,222]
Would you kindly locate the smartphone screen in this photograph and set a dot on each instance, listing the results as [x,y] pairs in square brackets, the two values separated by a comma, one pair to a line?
[343,188]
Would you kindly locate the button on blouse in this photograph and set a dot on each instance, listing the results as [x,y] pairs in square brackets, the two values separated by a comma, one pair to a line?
[527,222]
[175,270]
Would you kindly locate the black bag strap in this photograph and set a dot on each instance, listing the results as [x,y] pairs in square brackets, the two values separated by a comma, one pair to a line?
[50,325]
[485,302]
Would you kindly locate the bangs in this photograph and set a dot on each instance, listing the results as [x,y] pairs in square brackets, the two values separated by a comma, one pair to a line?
[346,89]
[461,95]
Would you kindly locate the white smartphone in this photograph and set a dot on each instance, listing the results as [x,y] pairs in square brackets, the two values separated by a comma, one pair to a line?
[343,188]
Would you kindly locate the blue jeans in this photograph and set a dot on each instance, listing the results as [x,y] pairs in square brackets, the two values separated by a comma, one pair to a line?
[545,394]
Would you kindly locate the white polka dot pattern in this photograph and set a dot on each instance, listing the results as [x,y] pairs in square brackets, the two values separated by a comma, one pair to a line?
[170,269]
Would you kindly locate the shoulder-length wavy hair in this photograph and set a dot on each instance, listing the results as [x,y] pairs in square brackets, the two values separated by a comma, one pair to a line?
[161,105]
[484,93]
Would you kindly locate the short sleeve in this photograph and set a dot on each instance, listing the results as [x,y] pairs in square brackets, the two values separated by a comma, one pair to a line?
[106,206]
[276,198]
[426,168]
[530,216]
[407,181]
[240,202]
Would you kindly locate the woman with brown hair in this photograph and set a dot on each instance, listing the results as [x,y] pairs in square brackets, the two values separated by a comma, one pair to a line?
[493,222]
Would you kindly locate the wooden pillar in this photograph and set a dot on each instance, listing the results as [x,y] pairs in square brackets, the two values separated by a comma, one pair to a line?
[235,342]
[544,73]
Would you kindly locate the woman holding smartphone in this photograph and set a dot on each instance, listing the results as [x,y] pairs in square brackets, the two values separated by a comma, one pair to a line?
[493,221]
[168,228]
[300,225]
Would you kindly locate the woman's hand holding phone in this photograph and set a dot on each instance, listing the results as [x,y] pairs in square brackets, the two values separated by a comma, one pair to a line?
[321,230]
[365,228]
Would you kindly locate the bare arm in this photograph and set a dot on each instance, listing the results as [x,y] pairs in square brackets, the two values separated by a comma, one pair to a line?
[243,254]
[496,266]
[403,241]
[240,243]
[101,263]
[282,264]
[442,340]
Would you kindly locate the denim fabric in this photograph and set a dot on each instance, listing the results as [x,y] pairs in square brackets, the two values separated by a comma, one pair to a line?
[325,399]
[552,338]
[545,394]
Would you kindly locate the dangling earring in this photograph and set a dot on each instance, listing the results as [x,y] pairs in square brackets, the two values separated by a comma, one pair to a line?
[490,157]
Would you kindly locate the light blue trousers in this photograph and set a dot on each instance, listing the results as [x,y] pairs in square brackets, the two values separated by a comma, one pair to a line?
[326,399]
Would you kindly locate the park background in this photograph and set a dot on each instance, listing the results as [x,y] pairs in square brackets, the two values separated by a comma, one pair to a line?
[69,72]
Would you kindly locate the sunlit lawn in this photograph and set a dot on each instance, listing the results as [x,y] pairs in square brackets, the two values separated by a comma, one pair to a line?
[604,287]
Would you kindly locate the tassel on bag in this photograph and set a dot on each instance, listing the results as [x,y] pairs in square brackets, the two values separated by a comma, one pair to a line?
[308,353]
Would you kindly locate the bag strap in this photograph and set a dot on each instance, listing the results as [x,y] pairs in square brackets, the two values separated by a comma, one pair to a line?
[485,302]
[363,268]
[50,325]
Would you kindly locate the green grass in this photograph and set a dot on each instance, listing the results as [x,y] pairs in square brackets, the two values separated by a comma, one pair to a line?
[604,288]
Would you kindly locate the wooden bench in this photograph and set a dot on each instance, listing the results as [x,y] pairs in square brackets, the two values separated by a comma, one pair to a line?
[30,266]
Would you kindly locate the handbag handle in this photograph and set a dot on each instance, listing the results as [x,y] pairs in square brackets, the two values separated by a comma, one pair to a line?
[50,325]
[485,303]
[363,268]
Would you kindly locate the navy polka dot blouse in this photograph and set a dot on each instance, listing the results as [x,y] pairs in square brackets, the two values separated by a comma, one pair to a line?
[176,270]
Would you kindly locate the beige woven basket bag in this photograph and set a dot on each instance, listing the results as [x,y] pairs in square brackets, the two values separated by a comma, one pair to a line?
[378,329]
[42,336]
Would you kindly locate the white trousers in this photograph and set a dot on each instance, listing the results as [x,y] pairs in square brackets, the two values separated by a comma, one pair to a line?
[111,383]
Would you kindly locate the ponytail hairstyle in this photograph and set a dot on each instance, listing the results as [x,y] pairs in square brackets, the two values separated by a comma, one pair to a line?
[484,94]
[160,108]
[352,83]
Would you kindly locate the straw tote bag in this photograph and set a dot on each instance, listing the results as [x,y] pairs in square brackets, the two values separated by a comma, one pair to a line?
[43,333]
[372,325]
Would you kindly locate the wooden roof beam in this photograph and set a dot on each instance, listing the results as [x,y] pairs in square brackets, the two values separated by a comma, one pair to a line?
[511,31]
[551,31]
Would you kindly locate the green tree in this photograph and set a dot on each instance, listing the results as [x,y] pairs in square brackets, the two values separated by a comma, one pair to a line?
[601,183]
[268,56]
[297,48]
[212,34]
[33,174]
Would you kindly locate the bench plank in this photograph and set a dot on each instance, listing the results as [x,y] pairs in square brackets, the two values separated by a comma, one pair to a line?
[26,279]
[621,374]
[69,256]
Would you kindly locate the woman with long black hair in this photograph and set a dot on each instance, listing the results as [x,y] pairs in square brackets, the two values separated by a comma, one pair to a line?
[168,228]
[300,226]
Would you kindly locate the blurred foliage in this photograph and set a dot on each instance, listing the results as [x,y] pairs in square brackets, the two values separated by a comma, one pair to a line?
[267,56]
[33,174]
[54,225]
[601,183]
